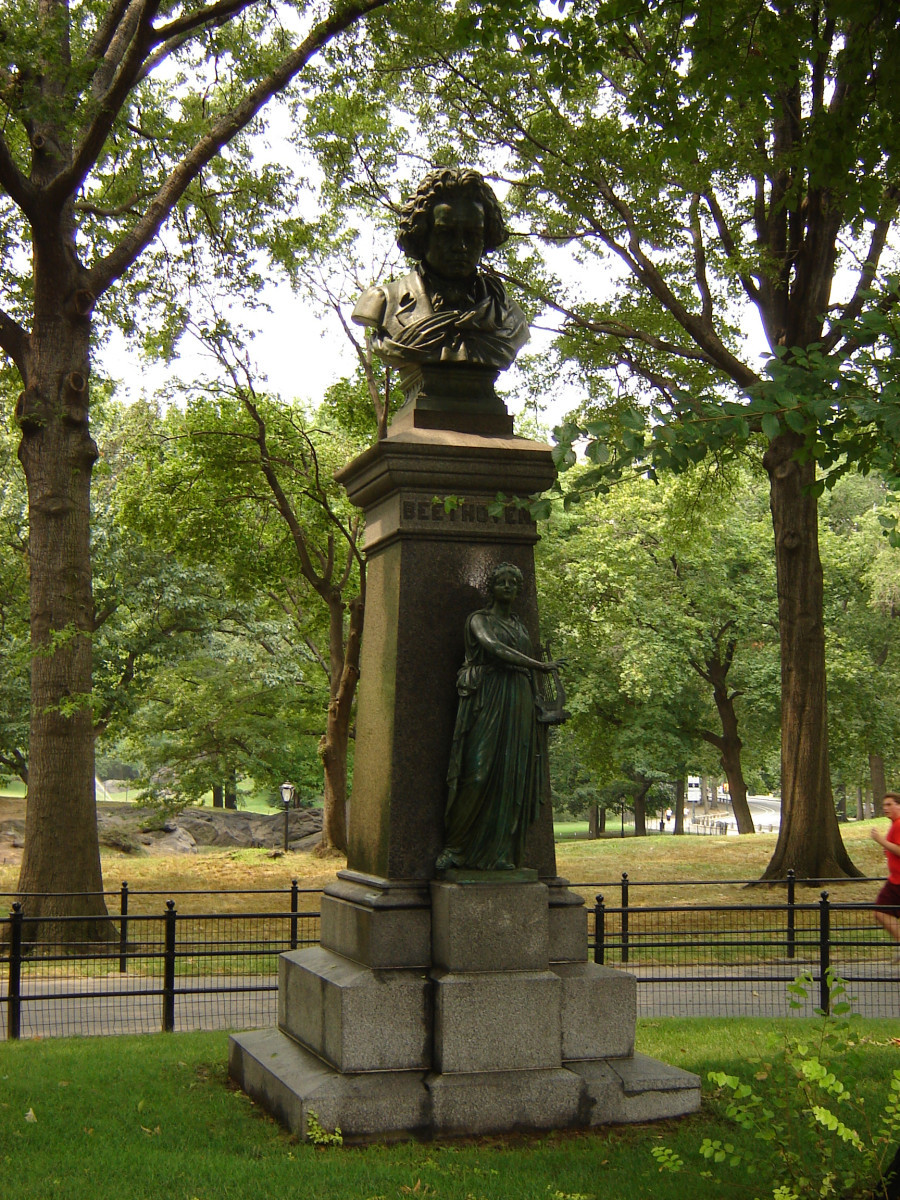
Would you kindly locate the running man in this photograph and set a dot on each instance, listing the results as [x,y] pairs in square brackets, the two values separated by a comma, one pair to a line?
[887,903]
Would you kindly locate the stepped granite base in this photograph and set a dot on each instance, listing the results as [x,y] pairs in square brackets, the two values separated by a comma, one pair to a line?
[493,1035]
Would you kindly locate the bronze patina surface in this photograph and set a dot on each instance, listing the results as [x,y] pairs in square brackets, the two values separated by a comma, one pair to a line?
[447,312]
[494,778]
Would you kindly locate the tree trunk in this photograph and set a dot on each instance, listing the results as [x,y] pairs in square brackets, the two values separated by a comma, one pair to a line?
[680,794]
[640,811]
[62,852]
[842,804]
[594,821]
[335,743]
[218,795]
[809,840]
[728,743]
[860,813]
[876,774]
[229,792]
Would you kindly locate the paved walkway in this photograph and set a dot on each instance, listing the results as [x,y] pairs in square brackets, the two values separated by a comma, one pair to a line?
[116,1004]
[873,989]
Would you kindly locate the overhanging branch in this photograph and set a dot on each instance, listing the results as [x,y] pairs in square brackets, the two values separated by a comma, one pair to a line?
[231,123]
[13,182]
[13,341]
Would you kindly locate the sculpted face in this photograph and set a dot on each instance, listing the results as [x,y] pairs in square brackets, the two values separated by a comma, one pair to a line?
[505,586]
[456,241]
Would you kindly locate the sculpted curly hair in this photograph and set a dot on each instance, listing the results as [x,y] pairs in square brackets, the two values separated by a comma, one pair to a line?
[505,568]
[438,186]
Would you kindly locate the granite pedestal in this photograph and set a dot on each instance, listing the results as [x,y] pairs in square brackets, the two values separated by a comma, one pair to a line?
[492,1037]
[463,1005]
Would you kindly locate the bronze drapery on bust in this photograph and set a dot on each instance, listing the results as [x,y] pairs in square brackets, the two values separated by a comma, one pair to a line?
[446,311]
[494,776]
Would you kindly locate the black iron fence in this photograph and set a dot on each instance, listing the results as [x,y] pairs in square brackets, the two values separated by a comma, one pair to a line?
[164,966]
[726,959]
[160,968]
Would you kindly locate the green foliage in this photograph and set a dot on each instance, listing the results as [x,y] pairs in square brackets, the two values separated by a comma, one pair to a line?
[806,1120]
[652,593]
[861,570]
[319,1135]
[844,413]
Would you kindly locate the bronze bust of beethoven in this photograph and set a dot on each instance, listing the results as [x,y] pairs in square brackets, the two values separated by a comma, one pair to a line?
[446,311]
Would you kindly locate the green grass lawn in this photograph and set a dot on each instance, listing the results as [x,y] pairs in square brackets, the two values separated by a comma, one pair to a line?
[153,1118]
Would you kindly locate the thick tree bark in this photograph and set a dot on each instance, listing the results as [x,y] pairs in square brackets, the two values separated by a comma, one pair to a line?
[705,792]
[729,747]
[879,784]
[218,795]
[62,852]
[229,792]
[640,810]
[809,841]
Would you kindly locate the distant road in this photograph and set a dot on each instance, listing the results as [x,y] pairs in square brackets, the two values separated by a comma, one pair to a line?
[765,811]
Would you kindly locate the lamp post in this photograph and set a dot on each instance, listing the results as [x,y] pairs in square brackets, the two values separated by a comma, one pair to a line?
[287,797]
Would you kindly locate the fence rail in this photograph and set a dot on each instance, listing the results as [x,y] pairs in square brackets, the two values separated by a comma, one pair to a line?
[164,968]
[156,970]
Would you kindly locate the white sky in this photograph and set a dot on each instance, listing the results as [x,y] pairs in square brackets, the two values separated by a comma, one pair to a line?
[299,353]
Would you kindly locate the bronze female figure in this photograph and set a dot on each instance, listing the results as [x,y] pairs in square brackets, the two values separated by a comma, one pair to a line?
[494,774]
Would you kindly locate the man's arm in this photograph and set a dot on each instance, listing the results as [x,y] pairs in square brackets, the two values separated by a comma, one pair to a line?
[881,839]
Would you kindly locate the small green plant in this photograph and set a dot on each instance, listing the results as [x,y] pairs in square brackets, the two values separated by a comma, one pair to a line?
[319,1135]
[817,1137]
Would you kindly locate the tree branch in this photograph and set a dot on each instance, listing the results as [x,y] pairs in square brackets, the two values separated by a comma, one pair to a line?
[867,272]
[120,210]
[231,123]
[13,182]
[729,245]
[213,14]
[113,80]
[118,38]
[106,30]
[714,739]
[13,341]
[608,326]
[700,276]
[17,763]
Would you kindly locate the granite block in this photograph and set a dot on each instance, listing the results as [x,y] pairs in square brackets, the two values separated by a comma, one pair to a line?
[568,932]
[377,937]
[489,926]
[504,1101]
[599,1010]
[496,1022]
[653,1090]
[356,1018]
[289,1082]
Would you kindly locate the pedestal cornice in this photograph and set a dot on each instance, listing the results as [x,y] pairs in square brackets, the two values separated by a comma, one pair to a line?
[437,460]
